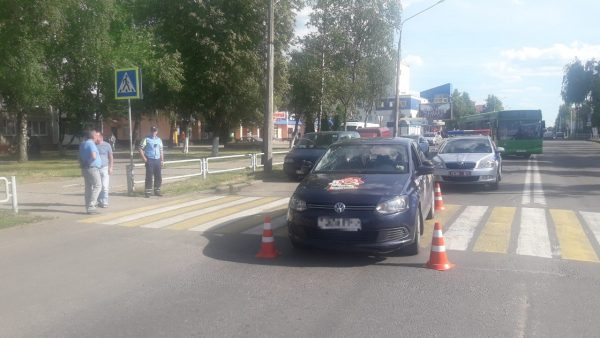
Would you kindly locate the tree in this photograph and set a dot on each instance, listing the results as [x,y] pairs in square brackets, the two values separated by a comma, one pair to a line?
[26,28]
[492,103]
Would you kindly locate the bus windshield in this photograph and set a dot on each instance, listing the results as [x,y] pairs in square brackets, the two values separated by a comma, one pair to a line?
[518,130]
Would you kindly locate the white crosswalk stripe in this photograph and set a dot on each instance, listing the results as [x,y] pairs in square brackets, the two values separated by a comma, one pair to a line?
[593,221]
[533,235]
[461,231]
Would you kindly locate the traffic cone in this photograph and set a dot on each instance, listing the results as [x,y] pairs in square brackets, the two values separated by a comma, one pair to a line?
[439,202]
[437,257]
[267,246]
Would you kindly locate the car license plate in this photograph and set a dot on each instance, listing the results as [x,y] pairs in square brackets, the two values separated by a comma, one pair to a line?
[347,224]
[299,171]
[460,173]
[521,151]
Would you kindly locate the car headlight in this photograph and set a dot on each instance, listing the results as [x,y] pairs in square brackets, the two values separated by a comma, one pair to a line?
[485,164]
[438,163]
[392,206]
[288,160]
[297,204]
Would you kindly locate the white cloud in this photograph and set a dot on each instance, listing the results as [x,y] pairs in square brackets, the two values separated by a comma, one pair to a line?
[302,18]
[413,60]
[558,51]
[513,72]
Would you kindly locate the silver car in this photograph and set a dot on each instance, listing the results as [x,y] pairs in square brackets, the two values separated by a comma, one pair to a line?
[469,160]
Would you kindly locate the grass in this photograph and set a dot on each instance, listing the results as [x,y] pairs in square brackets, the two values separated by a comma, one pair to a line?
[10,219]
[49,166]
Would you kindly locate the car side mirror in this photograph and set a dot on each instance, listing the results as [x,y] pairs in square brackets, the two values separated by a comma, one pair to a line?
[500,150]
[426,168]
[306,166]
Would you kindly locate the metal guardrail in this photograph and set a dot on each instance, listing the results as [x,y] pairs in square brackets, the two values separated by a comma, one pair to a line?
[10,188]
[255,162]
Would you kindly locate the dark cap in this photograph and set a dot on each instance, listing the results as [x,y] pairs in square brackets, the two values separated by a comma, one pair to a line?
[153,128]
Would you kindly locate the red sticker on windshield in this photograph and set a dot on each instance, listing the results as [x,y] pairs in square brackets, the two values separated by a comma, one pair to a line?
[347,183]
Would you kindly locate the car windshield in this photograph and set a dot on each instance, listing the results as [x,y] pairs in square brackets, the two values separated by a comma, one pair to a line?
[466,146]
[429,134]
[365,158]
[317,140]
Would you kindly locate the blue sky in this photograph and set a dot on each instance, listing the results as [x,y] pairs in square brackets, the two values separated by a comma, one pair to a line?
[514,49]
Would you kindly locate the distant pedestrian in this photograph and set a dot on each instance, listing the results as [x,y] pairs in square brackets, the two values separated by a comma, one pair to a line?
[90,163]
[151,150]
[113,142]
[106,157]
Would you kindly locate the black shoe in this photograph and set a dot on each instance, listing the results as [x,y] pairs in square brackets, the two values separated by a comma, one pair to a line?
[147,195]
[158,193]
[92,211]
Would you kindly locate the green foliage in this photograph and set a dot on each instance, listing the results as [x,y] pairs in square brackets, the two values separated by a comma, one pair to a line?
[462,105]
[493,103]
[581,91]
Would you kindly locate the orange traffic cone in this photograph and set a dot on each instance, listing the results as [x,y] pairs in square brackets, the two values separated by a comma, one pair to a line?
[439,202]
[437,258]
[267,247]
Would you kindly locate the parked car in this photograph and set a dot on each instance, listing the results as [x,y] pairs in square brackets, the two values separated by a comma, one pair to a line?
[469,160]
[422,143]
[374,132]
[548,135]
[309,148]
[559,135]
[366,195]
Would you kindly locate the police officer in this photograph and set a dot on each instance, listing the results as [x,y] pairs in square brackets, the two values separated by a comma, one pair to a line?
[151,150]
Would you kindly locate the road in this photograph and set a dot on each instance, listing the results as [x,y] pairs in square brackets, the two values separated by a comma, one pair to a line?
[526,255]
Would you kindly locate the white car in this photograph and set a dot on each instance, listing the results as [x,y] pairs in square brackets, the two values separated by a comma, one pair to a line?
[469,160]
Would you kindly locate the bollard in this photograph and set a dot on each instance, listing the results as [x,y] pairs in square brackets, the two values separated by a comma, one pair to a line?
[13,188]
[130,180]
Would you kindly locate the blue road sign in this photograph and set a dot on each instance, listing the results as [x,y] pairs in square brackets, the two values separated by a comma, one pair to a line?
[127,83]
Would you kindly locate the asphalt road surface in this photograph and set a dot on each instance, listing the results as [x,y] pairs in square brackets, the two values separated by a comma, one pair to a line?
[526,255]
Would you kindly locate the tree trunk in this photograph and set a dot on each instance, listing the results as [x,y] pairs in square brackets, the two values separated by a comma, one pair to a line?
[23,139]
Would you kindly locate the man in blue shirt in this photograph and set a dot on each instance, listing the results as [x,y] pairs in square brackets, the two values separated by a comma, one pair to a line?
[106,157]
[90,163]
[151,151]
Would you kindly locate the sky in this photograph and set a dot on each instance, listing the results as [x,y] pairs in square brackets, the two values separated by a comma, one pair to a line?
[514,49]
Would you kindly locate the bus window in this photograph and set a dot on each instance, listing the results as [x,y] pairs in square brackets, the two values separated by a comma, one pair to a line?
[518,130]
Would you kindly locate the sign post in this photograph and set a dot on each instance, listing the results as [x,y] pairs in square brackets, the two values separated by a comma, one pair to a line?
[128,87]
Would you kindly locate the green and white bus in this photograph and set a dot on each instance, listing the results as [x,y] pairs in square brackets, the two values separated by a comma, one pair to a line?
[519,132]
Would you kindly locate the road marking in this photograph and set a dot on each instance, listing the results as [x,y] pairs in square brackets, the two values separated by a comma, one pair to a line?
[72,185]
[204,226]
[574,244]
[276,223]
[156,210]
[461,231]
[440,216]
[527,185]
[114,215]
[232,202]
[538,190]
[495,235]
[533,235]
[169,215]
[593,221]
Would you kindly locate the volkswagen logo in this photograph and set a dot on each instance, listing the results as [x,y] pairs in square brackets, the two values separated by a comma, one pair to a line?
[339,207]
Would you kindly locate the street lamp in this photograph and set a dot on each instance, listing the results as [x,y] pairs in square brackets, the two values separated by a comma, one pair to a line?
[398,66]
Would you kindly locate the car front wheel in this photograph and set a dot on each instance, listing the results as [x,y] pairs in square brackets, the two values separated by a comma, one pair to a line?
[413,248]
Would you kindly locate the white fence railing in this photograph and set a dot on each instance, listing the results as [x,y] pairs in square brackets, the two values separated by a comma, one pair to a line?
[10,189]
[220,163]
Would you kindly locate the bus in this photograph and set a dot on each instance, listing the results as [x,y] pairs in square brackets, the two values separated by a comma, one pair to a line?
[519,132]
[354,125]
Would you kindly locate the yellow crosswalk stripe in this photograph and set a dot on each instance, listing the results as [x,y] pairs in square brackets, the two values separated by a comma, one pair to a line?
[495,235]
[574,244]
[251,221]
[440,216]
[128,212]
[196,221]
[179,211]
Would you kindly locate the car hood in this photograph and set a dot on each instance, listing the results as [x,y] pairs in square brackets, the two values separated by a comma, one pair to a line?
[463,157]
[354,189]
[306,154]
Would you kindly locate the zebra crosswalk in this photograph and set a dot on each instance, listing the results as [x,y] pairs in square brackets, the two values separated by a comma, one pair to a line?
[526,231]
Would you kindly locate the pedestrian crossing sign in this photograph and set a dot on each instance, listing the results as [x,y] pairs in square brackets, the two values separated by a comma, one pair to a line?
[127,83]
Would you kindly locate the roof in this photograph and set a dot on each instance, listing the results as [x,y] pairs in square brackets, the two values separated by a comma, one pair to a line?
[397,140]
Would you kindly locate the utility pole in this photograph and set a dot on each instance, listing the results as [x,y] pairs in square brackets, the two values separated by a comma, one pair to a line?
[268,127]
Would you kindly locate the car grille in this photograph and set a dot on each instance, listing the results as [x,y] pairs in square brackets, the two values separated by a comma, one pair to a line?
[348,207]
[460,165]
[460,178]
[391,235]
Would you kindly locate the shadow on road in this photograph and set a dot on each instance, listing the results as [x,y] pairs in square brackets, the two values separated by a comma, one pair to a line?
[243,248]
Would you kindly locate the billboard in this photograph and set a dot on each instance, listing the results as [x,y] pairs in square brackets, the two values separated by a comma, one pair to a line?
[435,111]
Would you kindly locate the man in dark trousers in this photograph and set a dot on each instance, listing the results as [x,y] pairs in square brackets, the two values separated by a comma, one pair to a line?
[151,150]
[90,163]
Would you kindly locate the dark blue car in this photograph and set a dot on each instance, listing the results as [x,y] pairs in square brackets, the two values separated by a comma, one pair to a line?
[308,150]
[364,195]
